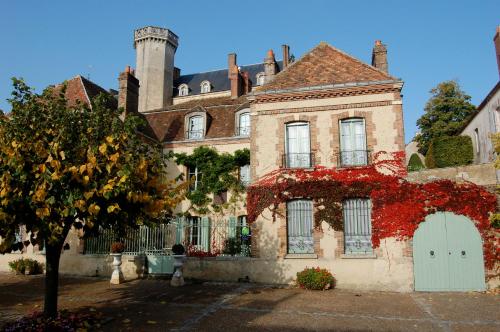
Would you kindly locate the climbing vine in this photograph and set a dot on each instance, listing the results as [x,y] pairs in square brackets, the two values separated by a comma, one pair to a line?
[398,206]
[218,173]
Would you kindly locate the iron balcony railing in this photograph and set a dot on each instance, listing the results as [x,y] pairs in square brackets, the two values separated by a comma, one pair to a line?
[298,160]
[353,158]
[195,134]
[243,131]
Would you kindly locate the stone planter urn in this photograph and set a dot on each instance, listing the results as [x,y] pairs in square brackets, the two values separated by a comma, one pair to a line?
[117,275]
[177,278]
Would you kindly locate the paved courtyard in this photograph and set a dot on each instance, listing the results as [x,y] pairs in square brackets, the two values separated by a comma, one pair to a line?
[152,305]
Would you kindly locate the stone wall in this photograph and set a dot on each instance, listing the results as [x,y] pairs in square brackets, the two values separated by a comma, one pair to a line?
[481,174]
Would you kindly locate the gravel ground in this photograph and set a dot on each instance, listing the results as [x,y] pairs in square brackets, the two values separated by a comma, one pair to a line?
[152,305]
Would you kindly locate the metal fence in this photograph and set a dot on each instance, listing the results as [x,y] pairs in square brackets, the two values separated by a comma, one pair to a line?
[201,236]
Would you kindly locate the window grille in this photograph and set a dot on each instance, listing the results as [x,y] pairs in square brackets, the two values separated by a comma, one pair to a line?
[300,227]
[357,226]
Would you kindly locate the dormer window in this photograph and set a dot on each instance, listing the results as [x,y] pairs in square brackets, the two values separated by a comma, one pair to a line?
[260,78]
[183,90]
[195,124]
[195,130]
[242,122]
[205,86]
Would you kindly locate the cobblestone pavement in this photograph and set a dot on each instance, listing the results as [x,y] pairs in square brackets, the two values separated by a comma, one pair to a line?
[152,305]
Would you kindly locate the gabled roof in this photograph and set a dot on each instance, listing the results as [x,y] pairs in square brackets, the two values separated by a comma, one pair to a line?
[218,79]
[325,65]
[81,89]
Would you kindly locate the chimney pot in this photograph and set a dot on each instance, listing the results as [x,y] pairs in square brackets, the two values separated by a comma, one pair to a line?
[286,55]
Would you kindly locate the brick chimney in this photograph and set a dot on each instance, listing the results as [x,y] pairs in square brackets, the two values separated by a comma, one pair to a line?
[286,55]
[379,56]
[128,94]
[496,40]
[234,75]
[269,66]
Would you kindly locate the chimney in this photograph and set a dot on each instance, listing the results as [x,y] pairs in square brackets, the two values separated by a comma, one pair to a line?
[269,66]
[379,57]
[496,40]
[286,55]
[234,76]
[246,82]
[155,49]
[177,73]
[128,94]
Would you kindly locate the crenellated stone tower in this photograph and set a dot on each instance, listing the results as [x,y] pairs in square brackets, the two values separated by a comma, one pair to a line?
[155,49]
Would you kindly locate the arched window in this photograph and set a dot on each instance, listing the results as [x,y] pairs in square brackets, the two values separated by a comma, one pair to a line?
[476,141]
[260,78]
[205,86]
[183,90]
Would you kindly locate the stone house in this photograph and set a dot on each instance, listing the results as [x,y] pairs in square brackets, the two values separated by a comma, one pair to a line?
[487,119]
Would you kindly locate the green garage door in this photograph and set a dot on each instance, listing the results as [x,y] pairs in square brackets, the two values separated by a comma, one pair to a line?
[448,254]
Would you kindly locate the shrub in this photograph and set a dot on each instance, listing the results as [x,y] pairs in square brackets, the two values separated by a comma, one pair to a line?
[117,247]
[315,278]
[193,251]
[415,163]
[178,249]
[448,151]
[22,265]
[232,247]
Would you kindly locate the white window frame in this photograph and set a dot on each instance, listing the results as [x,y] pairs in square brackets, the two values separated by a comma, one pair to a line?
[355,153]
[205,87]
[240,131]
[192,171]
[356,213]
[192,133]
[194,236]
[183,90]
[245,175]
[298,155]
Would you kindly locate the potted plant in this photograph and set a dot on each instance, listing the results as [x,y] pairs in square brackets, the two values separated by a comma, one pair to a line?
[117,249]
[178,251]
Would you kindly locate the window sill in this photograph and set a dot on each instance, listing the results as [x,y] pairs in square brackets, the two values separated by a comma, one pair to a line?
[358,256]
[300,256]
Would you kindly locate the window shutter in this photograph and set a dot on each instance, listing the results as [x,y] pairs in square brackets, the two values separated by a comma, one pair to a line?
[179,230]
[357,226]
[205,234]
[232,227]
[300,227]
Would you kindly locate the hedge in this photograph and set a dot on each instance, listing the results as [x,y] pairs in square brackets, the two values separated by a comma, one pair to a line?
[415,163]
[448,151]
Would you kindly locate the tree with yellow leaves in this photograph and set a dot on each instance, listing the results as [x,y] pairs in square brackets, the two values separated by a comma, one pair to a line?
[70,166]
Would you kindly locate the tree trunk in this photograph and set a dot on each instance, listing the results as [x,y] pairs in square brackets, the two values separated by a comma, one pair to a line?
[52,256]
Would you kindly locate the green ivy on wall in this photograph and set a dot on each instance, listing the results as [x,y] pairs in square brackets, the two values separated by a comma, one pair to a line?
[219,174]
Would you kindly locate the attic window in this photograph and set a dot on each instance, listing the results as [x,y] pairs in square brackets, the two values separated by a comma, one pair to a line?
[183,90]
[205,86]
[260,78]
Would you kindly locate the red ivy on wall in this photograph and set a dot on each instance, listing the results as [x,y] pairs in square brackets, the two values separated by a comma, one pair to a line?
[398,206]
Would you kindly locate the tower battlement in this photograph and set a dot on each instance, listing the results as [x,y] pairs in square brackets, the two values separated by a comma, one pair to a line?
[157,33]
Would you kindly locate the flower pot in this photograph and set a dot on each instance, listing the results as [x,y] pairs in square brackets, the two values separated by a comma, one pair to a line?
[117,275]
[177,278]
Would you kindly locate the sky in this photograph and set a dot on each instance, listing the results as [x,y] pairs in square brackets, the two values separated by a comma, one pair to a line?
[47,42]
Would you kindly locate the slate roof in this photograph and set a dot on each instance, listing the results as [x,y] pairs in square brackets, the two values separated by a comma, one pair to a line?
[323,65]
[218,78]
[168,125]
